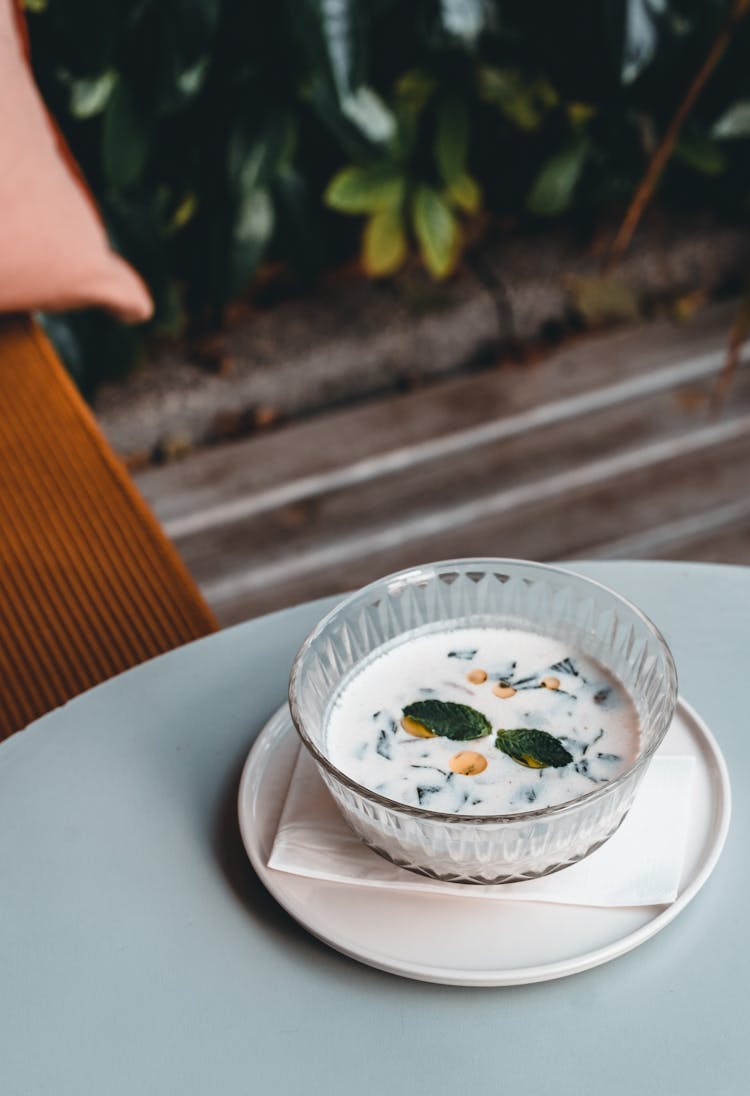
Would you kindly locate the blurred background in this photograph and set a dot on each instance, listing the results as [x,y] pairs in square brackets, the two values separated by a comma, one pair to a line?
[452,277]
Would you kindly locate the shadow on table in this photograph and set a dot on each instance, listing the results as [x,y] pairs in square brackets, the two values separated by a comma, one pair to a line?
[237,869]
[269,915]
[664,953]
[249,890]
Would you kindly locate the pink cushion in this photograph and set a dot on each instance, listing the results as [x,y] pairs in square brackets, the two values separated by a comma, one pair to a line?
[54,252]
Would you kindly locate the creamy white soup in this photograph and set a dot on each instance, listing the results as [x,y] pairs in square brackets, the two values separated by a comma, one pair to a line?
[481,721]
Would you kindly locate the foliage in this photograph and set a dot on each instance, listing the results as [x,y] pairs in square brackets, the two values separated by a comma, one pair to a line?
[217,134]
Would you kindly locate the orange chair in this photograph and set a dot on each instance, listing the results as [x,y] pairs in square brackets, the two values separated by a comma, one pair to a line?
[89,583]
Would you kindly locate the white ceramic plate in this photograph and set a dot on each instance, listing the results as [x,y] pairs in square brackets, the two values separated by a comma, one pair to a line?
[445,939]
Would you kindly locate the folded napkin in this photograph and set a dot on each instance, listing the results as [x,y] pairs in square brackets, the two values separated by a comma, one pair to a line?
[640,865]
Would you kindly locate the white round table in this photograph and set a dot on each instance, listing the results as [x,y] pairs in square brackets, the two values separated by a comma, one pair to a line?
[140,955]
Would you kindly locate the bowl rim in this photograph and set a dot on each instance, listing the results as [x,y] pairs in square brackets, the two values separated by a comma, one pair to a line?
[517,817]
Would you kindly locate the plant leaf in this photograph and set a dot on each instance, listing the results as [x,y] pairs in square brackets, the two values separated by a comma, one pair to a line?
[125,139]
[523,101]
[700,152]
[367,111]
[337,29]
[330,26]
[254,222]
[384,243]
[184,212]
[643,20]
[465,654]
[415,88]
[734,122]
[437,231]
[533,748]
[299,225]
[579,113]
[458,722]
[254,157]
[89,97]
[365,189]
[464,19]
[552,190]
[465,193]
[191,80]
[324,101]
[451,138]
[252,231]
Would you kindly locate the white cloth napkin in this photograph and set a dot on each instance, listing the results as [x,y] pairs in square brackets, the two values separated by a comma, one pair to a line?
[640,865]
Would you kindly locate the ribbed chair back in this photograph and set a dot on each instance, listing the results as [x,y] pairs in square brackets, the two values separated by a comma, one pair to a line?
[89,583]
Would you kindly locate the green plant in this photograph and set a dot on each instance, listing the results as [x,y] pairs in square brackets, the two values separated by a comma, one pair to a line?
[414,190]
[219,134]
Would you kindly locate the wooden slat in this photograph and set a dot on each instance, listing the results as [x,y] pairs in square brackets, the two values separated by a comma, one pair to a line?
[575,525]
[730,545]
[606,448]
[89,584]
[495,482]
[718,533]
[355,446]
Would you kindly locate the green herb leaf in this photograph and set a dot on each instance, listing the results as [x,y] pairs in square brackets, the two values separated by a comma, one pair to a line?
[455,721]
[533,748]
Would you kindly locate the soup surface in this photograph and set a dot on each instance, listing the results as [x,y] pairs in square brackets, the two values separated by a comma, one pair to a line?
[481,721]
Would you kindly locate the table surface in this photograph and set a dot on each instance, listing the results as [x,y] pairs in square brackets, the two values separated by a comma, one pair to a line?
[139,954]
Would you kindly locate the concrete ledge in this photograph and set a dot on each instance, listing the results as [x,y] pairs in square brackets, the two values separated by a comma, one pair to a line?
[359,339]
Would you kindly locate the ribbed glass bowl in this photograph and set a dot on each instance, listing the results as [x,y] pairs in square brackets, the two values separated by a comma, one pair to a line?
[500,593]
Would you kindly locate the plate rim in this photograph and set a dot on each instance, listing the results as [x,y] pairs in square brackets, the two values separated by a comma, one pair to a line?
[272,881]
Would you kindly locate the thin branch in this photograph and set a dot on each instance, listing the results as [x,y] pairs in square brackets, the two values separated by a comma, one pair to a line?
[489,276]
[658,162]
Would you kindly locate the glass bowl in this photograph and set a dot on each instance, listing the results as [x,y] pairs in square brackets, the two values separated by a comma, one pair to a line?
[485,592]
